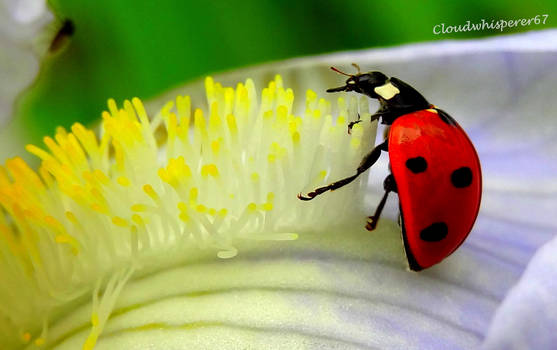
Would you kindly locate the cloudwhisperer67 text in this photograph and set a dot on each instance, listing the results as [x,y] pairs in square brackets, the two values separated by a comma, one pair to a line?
[500,25]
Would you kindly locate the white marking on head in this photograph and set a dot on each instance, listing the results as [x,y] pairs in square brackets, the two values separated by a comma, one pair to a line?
[386,91]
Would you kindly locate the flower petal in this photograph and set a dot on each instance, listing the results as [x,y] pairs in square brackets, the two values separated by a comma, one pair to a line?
[527,318]
[323,291]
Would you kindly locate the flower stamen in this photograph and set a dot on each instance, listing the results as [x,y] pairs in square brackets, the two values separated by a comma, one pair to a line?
[99,208]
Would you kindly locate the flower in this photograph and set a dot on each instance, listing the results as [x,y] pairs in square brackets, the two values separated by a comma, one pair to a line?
[337,285]
[100,210]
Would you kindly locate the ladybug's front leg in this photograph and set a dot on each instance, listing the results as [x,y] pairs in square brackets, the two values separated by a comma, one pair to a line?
[366,163]
[373,117]
[389,185]
[351,124]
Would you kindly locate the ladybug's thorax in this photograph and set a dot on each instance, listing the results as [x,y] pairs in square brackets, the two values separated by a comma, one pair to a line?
[396,98]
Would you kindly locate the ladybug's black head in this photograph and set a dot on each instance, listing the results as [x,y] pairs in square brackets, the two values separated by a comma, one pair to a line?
[363,83]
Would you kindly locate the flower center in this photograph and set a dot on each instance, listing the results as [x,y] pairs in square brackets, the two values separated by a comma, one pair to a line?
[151,192]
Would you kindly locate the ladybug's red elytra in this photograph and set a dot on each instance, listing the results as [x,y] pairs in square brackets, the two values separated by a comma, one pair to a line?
[434,169]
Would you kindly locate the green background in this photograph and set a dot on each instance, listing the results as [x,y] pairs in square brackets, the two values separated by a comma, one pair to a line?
[122,49]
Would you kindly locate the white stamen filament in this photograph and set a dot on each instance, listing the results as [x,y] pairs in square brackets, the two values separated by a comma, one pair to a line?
[101,210]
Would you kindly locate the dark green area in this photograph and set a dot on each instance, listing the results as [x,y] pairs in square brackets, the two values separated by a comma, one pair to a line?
[123,48]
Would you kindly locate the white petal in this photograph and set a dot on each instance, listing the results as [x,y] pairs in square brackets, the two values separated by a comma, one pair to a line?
[346,291]
[527,318]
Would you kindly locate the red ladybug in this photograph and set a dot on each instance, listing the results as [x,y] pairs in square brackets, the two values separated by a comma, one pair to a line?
[434,169]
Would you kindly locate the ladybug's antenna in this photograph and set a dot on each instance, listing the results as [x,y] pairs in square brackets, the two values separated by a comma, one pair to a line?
[340,72]
[355,65]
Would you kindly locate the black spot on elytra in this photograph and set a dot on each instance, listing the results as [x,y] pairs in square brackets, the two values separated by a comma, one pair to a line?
[434,232]
[416,165]
[461,177]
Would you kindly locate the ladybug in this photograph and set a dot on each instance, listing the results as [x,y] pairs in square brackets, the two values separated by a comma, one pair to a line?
[434,169]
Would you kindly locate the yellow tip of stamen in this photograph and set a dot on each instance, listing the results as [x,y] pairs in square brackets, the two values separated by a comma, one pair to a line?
[118,221]
[123,181]
[209,169]
[138,207]
[148,189]
[137,220]
[231,175]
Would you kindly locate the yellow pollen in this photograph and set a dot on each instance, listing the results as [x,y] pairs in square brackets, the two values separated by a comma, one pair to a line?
[184,217]
[67,239]
[118,221]
[268,115]
[101,177]
[267,206]
[148,189]
[209,169]
[71,217]
[199,122]
[138,207]
[182,206]
[123,181]
[231,121]
[316,114]
[215,146]
[193,194]
[183,105]
[99,208]
[252,207]
[311,96]
[137,220]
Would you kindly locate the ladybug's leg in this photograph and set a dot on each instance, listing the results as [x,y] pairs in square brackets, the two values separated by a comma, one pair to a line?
[366,163]
[373,117]
[351,124]
[389,185]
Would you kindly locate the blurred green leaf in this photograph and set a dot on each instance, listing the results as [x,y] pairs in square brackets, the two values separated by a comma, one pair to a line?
[123,49]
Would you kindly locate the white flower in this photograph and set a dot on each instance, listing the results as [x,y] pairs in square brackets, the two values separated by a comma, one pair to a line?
[20,23]
[145,214]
